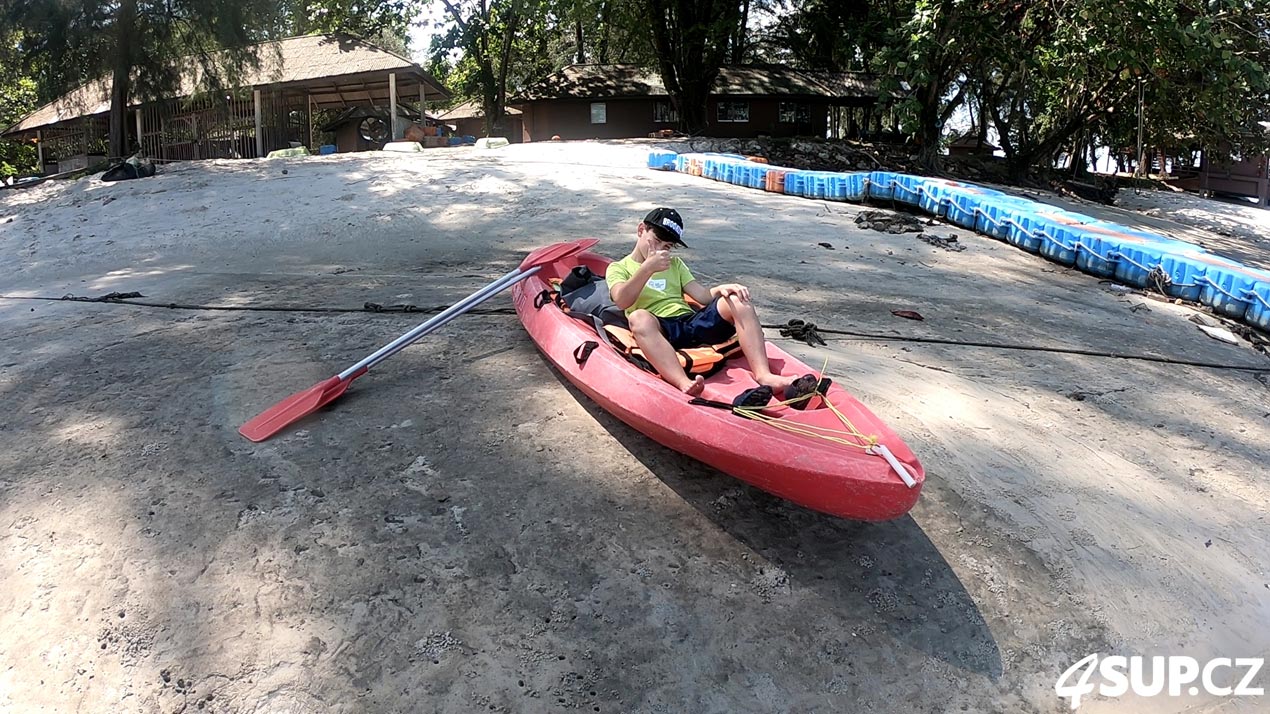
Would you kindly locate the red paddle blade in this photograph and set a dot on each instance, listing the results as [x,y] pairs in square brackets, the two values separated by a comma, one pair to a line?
[294,408]
[552,253]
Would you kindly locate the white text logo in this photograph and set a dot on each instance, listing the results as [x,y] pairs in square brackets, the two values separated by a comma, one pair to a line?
[1149,676]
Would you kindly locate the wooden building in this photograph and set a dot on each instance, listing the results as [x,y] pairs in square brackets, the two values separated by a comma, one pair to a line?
[1220,172]
[969,144]
[468,119]
[273,108]
[591,101]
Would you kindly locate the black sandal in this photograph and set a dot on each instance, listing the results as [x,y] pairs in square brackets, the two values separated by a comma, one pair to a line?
[754,398]
[804,387]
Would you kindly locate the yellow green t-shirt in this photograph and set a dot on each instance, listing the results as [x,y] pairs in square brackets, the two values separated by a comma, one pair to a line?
[663,294]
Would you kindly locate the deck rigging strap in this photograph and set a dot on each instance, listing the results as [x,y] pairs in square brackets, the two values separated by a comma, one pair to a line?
[849,435]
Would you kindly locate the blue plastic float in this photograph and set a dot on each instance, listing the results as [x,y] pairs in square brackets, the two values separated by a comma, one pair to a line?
[962,207]
[1258,314]
[1227,285]
[882,185]
[662,160]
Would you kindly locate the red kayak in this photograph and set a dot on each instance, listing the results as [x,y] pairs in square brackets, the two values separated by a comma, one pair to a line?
[837,458]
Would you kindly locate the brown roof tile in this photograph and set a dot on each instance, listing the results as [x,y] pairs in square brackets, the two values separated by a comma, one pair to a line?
[290,60]
[471,110]
[594,81]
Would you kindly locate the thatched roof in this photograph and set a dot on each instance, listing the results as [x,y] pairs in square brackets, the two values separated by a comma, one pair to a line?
[610,81]
[338,68]
[472,110]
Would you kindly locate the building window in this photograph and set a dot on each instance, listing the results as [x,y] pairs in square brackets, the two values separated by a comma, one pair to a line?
[664,113]
[734,111]
[794,113]
[599,113]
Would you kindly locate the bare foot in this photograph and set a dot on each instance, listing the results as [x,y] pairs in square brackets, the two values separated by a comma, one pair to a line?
[697,386]
[777,382]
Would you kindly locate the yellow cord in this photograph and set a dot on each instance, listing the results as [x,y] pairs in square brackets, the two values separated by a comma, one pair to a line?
[831,434]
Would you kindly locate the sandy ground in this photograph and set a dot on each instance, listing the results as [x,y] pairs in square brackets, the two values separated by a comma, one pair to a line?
[465,532]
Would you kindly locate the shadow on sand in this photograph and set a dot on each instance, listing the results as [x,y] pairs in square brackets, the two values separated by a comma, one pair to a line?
[887,581]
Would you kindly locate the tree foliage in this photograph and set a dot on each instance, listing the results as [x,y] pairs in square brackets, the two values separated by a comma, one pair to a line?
[507,45]
[835,35]
[18,97]
[1051,78]
[385,23]
[143,46]
[692,38]
[491,35]
[1074,77]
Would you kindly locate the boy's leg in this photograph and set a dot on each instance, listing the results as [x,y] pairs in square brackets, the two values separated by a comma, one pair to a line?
[657,349]
[749,332]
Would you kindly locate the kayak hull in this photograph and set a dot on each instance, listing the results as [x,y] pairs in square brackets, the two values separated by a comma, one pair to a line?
[814,472]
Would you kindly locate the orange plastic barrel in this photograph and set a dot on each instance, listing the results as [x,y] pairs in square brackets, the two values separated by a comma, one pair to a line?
[776,181]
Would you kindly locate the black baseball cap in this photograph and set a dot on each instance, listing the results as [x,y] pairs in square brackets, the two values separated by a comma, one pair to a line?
[667,225]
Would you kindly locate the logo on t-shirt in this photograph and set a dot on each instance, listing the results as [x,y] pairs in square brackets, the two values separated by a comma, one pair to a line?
[658,284]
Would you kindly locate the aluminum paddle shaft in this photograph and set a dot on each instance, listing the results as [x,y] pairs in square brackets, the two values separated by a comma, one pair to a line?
[447,315]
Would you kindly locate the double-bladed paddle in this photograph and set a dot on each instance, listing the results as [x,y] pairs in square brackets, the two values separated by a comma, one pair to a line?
[301,404]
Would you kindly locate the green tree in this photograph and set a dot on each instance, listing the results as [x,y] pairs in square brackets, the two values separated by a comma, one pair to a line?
[505,45]
[143,47]
[508,44]
[928,57]
[18,97]
[609,31]
[1068,74]
[384,23]
[829,34]
[691,38]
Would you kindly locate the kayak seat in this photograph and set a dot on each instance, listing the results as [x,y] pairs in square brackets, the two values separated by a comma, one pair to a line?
[704,360]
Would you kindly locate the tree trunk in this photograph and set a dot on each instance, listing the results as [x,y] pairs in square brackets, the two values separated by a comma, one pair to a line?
[738,46]
[121,80]
[691,41]
[606,11]
[489,95]
[499,124]
[694,93]
[928,129]
[983,123]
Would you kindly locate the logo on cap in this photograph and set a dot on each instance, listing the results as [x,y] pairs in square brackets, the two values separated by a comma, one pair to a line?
[669,220]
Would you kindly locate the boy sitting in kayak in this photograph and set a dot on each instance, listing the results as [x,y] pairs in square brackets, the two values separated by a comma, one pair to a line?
[650,284]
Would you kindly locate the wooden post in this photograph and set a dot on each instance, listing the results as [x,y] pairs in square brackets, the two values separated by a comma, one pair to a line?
[39,148]
[260,138]
[140,144]
[423,107]
[392,102]
[309,98]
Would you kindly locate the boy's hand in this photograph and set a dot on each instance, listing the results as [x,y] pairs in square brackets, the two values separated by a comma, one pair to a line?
[657,261]
[741,292]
